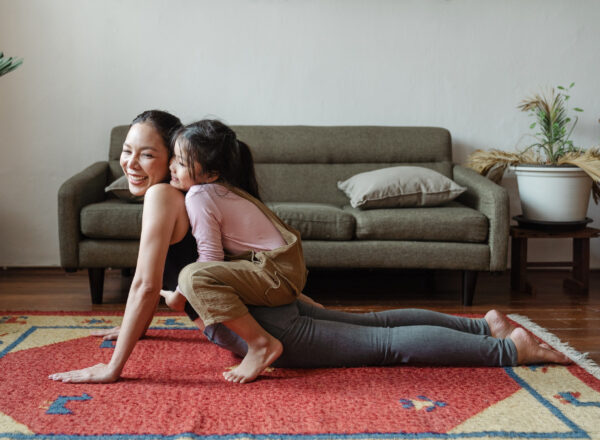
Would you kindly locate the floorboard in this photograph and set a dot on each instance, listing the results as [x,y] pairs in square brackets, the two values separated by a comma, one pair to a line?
[574,318]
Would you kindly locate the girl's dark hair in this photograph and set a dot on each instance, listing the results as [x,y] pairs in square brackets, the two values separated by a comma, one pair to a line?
[165,124]
[217,149]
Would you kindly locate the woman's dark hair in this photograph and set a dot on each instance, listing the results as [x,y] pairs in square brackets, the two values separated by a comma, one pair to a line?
[165,124]
[217,149]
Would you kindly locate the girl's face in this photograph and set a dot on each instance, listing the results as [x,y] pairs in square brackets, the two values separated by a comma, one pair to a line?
[180,175]
[144,159]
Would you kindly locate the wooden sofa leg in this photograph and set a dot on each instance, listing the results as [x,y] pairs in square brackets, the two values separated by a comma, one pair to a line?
[469,282]
[96,277]
[127,272]
[430,282]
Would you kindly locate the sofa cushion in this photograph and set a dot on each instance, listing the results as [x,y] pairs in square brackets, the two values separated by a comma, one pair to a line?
[120,189]
[113,218]
[402,186]
[450,222]
[118,219]
[316,221]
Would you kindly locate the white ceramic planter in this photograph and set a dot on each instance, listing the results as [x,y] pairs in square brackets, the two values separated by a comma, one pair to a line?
[553,194]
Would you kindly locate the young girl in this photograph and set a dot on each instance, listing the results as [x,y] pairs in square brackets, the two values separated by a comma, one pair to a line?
[246,255]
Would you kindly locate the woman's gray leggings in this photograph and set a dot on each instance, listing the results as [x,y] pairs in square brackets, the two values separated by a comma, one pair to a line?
[313,337]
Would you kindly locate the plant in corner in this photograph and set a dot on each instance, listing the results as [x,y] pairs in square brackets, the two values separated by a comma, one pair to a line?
[554,176]
[8,64]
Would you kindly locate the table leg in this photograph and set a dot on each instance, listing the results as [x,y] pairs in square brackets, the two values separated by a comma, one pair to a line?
[581,266]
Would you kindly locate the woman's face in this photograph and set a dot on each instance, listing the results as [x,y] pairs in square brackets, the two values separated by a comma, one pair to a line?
[144,159]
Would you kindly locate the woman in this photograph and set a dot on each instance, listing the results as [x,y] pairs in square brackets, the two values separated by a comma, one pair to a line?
[307,332]
[145,160]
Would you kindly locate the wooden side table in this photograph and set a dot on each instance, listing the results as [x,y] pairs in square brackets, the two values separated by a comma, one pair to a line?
[580,279]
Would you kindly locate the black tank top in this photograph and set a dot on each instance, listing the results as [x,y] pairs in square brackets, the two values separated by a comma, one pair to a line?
[180,254]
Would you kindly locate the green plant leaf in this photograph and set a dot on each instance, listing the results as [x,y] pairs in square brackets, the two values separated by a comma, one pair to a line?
[553,122]
[8,64]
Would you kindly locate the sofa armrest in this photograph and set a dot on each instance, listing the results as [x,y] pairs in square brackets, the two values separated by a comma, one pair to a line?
[491,200]
[80,190]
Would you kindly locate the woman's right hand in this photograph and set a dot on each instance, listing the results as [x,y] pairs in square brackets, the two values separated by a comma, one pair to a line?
[108,334]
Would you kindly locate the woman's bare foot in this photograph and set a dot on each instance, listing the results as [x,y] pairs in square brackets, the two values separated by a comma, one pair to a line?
[260,355]
[175,300]
[530,352]
[499,324]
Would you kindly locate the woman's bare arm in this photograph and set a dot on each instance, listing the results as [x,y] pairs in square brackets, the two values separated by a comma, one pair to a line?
[111,334]
[162,220]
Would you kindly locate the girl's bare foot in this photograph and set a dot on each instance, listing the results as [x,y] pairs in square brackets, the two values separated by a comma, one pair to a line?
[499,324]
[260,355]
[175,300]
[530,352]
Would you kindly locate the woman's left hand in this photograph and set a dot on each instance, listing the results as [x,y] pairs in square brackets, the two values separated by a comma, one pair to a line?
[99,373]
[109,334]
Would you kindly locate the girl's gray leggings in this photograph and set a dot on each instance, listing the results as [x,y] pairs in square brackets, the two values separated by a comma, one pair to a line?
[313,337]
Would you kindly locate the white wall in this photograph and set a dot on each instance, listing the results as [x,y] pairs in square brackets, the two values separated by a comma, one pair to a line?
[90,65]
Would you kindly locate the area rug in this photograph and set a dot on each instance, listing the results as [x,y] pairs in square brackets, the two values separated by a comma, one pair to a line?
[172,388]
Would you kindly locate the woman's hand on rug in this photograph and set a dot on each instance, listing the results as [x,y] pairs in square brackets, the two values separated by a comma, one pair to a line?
[99,373]
[107,334]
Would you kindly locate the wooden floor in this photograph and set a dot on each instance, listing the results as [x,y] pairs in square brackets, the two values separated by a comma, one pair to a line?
[573,318]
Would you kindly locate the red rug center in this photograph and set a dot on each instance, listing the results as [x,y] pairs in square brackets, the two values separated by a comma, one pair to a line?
[172,384]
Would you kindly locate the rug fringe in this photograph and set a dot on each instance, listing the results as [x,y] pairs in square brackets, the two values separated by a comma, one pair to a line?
[579,358]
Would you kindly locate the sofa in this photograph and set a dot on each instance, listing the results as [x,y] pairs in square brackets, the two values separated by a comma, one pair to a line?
[298,170]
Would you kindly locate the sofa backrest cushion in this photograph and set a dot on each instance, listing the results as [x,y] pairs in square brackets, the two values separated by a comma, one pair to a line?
[349,144]
[304,163]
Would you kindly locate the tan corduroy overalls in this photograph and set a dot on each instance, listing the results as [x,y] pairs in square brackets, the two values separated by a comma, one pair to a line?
[219,290]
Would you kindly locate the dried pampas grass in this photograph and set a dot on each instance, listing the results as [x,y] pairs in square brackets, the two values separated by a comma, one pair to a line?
[492,163]
[588,161]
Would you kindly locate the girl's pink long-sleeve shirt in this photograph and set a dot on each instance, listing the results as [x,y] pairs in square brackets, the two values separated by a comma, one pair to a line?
[223,222]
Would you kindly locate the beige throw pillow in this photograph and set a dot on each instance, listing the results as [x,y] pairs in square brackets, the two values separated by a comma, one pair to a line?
[120,189]
[402,186]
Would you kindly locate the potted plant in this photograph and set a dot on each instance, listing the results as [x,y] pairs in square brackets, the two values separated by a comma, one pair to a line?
[8,64]
[554,176]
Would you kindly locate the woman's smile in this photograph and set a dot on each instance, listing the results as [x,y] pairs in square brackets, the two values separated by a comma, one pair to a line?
[136,179]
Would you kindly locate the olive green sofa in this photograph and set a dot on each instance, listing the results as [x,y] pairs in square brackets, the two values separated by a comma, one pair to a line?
[298,168]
